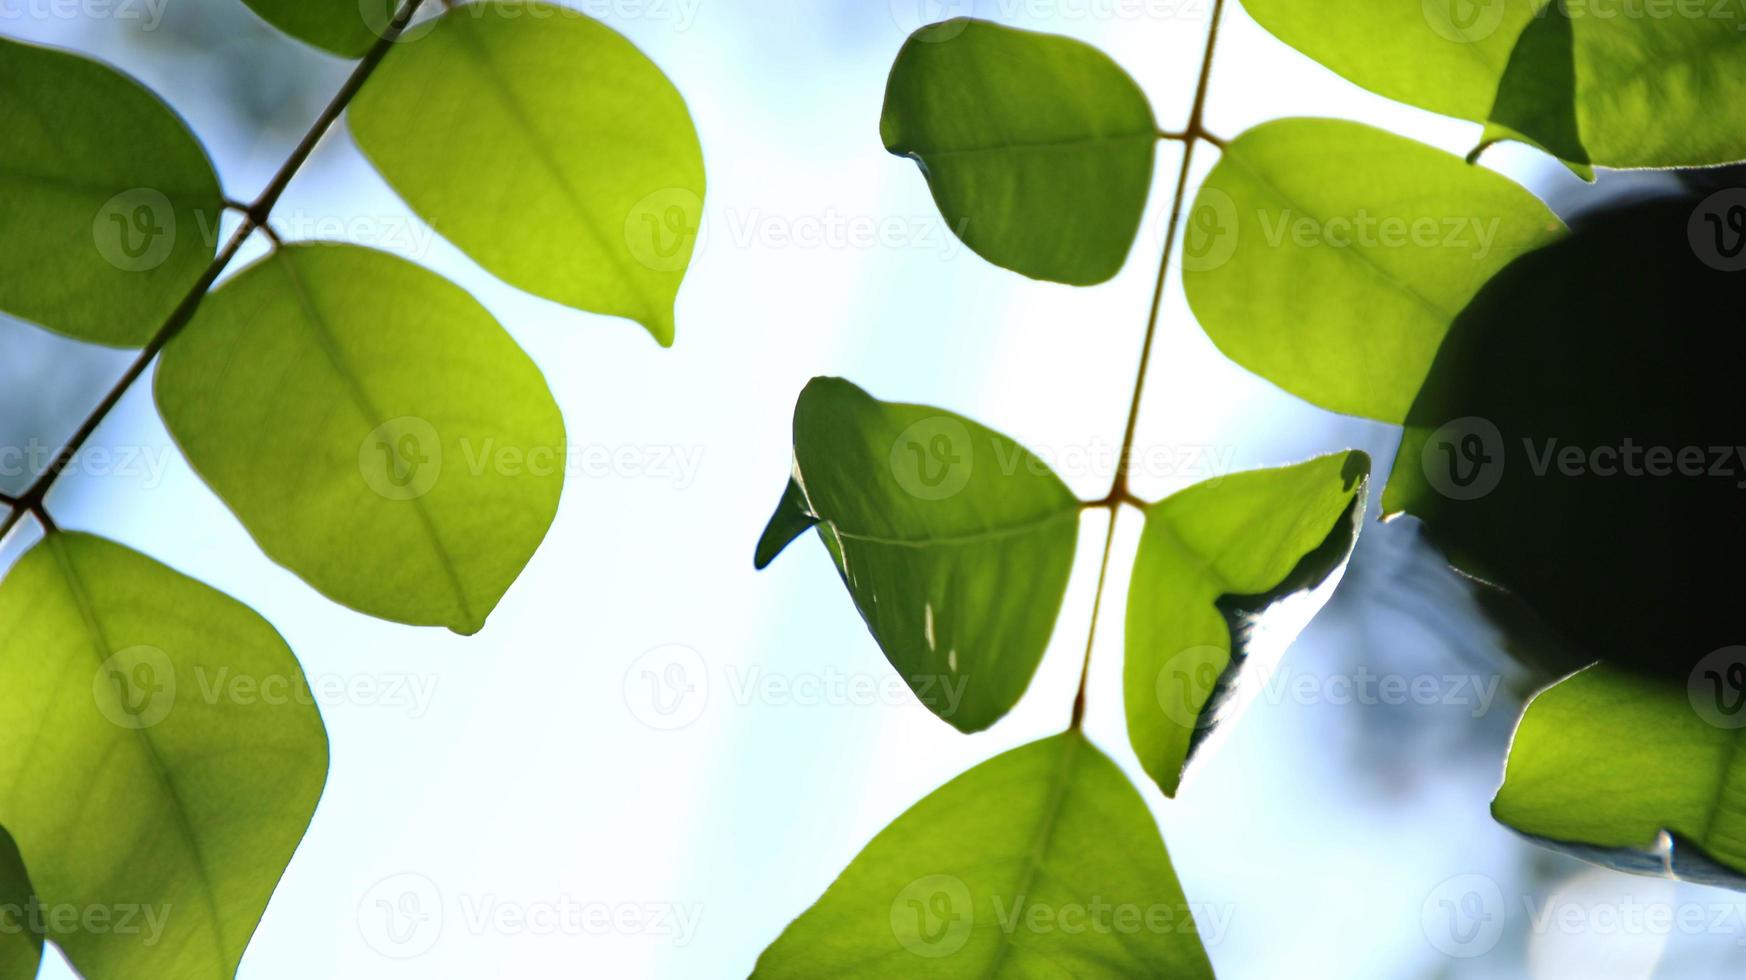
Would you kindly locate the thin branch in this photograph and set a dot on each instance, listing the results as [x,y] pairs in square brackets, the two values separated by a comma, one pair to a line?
[254,217]
[1118,492]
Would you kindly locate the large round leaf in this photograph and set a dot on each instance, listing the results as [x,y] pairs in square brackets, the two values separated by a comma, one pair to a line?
[374,429]
[549,149]
[1038,148]
[955,542]
[111,207]
[164,758]
[1042,862]
[1330,257]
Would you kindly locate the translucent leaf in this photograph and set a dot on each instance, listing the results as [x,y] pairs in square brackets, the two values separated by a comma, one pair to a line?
[343,27]
[374,429]
[1213,559]
[1042,862]
[1638,774]
[165,758]
[97,243]
[1631,85]
[1576,441]
[549,149]
[1330,257]
[954,541]
[1038,148]
[20,940]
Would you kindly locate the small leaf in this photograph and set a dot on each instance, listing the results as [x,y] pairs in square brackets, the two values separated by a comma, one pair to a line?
[165,758]
[1042,862]
[112,208]
[341,27]
[1639,774]
[374,429]
[549,149]
[1591,84]
[1213,558]
[1575,442]
[1038,148]
[20,940]
[954,541]
[1330,257]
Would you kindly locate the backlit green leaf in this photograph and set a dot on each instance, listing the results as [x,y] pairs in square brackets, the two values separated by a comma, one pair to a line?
[1330,257]
[374,429]
[954,541]
[549,149]
[20,940]
[342,27]
[1038,148]
[165,757]
[1213,559]
[1042,862]
[111,207]
[1616,85]
[1606,762]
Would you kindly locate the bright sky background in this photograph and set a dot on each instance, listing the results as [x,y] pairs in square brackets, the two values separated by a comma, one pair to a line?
[515,770]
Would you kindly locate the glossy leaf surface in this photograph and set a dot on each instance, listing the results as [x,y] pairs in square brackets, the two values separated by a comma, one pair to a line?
[374,429]
[1038,148]
[1042,862]
[166,758]
[97,243]
[954,541]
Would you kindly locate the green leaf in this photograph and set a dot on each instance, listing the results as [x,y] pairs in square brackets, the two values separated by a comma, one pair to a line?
[1213,558]
[337,26]
[549,149]
[20,940]
[1612,85]
[954,541]
[1038,148]
[374,429]
[1330,257]
[1042,862]
[165,758]
[112,208]
[1606,762]
[1575,442]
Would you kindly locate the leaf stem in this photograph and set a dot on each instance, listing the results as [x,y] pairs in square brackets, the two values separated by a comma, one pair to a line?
[254,218]
[1118,491]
